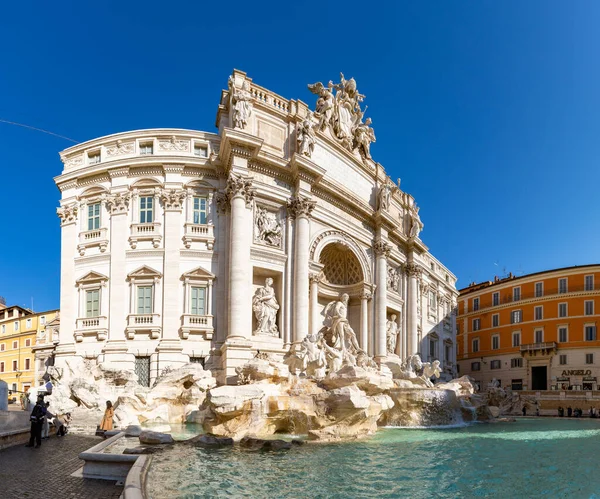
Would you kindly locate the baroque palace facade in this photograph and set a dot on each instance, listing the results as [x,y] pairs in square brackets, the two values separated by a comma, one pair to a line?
[535,332]
[180,245]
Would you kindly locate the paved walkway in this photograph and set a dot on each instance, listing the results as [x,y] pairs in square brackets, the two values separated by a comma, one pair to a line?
[46,472]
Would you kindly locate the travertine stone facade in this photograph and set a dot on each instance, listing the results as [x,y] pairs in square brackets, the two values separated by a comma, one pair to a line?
[180,245]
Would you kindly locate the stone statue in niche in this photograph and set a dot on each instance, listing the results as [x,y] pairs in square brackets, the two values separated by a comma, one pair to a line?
[306,136]
[393,279]
[416,226]
[240,103]
[383,197]
[338,333]
[267,228]
[265,307]
[391,334]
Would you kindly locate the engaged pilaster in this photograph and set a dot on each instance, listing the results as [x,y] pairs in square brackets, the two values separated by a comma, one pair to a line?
[300,208]
[382,251]
[240,194]
[413,272]
[68,294]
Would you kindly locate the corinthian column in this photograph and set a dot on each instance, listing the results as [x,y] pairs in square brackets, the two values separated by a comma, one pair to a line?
[240,194]
[365,296]
[301,207]
[314,303]
[413,271]
[382,251]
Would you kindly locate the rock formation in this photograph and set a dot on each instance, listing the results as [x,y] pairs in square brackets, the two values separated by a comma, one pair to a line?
[346,403]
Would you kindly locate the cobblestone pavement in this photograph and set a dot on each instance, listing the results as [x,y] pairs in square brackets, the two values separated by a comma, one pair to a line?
[45,473]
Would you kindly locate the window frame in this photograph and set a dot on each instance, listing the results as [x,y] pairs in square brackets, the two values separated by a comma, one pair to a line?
[475,366]
[516,363]
[495,320]
[495,364]
[475,304]
[541,291]
[89,313]
[558,333]
[201,146]
[539,330]
[150,298]
[516,334]
[496,339]
[146,214]
[146,148]
[516,293]
[476,324]
[586,287]
[560,281]
[566,307]
[540,309]
[561,357]
[496,299]
[591,328]
[475,341]
[585,307]
[589,359]
[94,215]
[519,313]
[204,288]
[198,212]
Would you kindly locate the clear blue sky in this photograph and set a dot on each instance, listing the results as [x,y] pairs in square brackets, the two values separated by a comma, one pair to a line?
[489,111]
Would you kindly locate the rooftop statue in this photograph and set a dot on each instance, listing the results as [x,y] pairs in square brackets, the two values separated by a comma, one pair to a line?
[240,103]
[416,226]
[343,115]
[306,136]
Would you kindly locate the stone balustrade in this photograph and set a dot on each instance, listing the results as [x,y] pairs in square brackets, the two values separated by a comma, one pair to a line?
[91,238]
[197,324]
[145,232]
[199,233]
[144,323]
[87,326]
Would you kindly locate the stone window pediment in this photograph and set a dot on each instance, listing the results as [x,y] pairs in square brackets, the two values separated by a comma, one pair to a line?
[144,272]
[198,274]
[92,278]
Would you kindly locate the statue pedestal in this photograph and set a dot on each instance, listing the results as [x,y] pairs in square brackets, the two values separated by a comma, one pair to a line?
[235,352]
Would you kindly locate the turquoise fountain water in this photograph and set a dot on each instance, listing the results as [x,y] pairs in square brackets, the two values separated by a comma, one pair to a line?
[529,458]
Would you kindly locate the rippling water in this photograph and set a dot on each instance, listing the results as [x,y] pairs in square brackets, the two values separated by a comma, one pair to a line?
[529,458]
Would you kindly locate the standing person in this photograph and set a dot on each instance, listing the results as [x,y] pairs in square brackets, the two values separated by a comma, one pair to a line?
[524,410]
[46,423]
[569,411]
[37,419]
[107,421]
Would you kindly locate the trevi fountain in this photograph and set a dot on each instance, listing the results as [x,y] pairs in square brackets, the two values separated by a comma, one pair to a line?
[262,294]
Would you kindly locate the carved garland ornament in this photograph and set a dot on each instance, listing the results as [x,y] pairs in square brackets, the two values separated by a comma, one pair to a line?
[67,214]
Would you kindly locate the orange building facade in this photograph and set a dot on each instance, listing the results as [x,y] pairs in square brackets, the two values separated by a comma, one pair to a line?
[534,332]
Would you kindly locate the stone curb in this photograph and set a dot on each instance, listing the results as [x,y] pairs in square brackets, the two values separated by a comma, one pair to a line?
[135,484]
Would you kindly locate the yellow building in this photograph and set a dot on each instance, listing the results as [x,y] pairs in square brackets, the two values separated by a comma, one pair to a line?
[19,330]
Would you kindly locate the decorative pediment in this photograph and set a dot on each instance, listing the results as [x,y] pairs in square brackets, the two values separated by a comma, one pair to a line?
[433,335]
[92,278]
[198,273]
[144,272]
